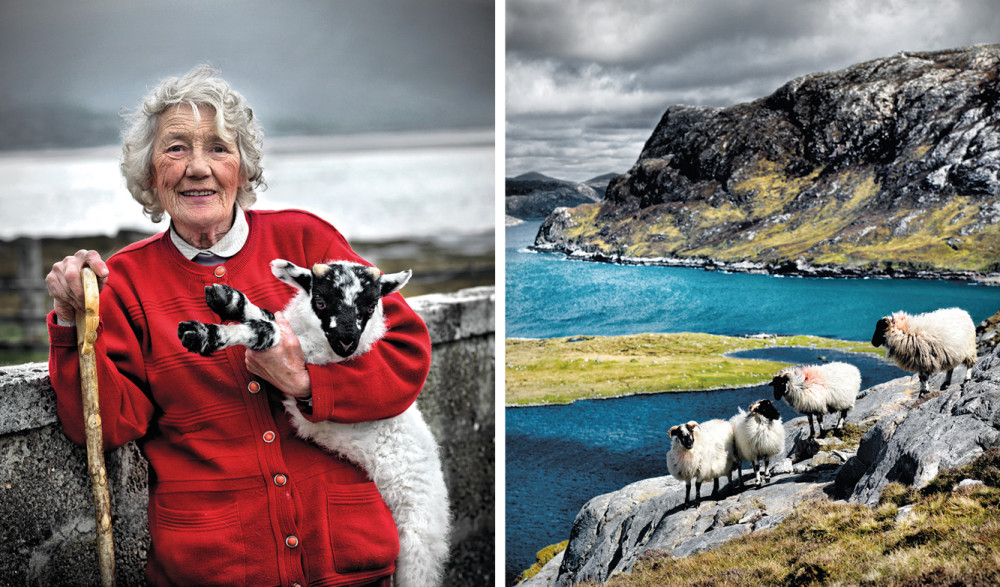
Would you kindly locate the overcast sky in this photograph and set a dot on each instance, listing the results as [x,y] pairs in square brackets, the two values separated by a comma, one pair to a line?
[337,65]
[588,80]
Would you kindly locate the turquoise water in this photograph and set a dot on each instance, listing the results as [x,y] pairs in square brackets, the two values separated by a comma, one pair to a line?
[558,457]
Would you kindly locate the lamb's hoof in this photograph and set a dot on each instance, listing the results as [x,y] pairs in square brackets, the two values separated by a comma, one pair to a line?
[225,301]
[197,337]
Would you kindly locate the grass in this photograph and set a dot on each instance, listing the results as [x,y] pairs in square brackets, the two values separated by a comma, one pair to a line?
[542,558]
[561,370]
[948,538]
[839,227]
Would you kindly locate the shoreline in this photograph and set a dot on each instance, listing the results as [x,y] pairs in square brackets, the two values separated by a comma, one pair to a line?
[788,268]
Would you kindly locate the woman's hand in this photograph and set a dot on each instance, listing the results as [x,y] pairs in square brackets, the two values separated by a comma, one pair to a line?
[284,365]
[66,286]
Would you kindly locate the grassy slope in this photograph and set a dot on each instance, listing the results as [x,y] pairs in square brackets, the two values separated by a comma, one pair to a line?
[949,538]
[560,371]
[837,230]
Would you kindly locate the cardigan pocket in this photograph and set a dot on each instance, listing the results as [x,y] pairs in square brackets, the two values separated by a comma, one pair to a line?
[362,533]
[201,547]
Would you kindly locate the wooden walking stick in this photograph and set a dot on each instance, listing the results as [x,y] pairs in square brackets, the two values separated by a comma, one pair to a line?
[86,335]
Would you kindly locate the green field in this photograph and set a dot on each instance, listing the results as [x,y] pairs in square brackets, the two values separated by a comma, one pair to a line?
[561,370]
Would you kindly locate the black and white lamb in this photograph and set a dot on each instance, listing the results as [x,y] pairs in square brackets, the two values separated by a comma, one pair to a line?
[759,435]
[927,343]
[337,315]
[815,390]
[699,452]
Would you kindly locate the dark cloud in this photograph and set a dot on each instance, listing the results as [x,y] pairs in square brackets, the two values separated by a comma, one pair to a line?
[319,66]
[582,69]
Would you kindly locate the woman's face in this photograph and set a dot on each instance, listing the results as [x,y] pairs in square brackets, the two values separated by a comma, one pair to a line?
[196,174]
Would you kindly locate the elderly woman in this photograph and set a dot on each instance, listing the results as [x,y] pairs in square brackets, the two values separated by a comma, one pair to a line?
[234,496]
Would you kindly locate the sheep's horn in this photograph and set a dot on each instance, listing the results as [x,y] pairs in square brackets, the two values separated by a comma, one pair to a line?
[375,272]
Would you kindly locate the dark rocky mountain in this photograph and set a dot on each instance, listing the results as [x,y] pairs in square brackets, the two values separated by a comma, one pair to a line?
[892,161]
[533,195]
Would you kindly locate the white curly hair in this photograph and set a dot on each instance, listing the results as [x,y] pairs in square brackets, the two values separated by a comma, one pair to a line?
[234,121]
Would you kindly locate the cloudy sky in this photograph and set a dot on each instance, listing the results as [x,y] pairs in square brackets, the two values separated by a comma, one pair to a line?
[312,66]
[588,80]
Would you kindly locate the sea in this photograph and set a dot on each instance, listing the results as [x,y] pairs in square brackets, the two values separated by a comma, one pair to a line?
[371,187]
[559,457]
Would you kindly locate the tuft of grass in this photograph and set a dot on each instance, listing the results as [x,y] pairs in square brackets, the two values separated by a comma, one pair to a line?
[561,370]
[947,538]
[542,558]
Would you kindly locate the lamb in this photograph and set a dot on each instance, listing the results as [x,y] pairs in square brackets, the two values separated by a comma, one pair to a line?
[701,452]
[337,315]
[930,342]
[759,435]
[816,390]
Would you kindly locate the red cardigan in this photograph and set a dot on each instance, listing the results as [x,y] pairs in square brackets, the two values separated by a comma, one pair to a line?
[234,497]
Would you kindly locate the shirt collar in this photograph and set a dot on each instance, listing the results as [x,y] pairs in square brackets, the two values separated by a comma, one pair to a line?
[228,245]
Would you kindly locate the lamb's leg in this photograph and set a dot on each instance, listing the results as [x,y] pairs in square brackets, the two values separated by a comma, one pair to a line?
[756,472]
[842,419]
[205,339]
[767,470]
[231,304]
[715,487]
[697,491]
[687,493]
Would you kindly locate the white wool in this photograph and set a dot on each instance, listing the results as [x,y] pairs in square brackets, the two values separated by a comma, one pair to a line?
[821,389]
[934,341]
[399,454]
[712,455]
[757,437]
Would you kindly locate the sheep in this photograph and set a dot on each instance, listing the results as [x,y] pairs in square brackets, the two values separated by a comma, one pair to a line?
[759,435]
[815,390]
[930,342]
[701,452]
[337,315]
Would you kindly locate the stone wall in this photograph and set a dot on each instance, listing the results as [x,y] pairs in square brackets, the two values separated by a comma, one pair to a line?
[47,528]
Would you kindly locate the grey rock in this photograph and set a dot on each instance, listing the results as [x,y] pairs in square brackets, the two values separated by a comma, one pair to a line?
[920,126]
[948,430]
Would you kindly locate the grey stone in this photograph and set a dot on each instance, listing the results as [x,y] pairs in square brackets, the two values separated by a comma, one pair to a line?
[948,430]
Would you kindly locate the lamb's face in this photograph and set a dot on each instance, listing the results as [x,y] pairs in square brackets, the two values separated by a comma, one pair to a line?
[780,384]
[881,327]
[765,409]
[684,434]
[344,298]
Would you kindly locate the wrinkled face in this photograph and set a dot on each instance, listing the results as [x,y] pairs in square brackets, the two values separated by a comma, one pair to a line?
[684,434]
[765,408]
[779,383]
[881,327]
[344,298]
[196,173]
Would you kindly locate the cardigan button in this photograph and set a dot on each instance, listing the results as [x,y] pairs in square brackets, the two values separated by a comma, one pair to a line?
[220,271]
[254,387]
[269,436]
[280,480]
[291,541]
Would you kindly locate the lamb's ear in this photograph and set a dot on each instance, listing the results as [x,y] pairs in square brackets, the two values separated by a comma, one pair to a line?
[393,282]
[292,274]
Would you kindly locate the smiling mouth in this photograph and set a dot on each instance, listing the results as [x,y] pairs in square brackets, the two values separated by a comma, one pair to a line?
[198,193]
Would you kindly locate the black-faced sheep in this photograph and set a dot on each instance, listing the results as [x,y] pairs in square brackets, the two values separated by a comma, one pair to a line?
[759,436]
[927,343]
[815,390]
[699,452]
[337,315]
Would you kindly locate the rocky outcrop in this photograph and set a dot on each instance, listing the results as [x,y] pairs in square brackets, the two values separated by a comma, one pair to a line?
[534,195]
[896,160]
[908,439]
